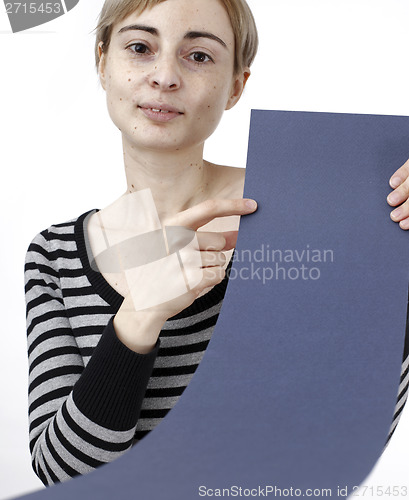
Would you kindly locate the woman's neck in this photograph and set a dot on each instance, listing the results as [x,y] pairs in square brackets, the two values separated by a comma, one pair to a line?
[178,180]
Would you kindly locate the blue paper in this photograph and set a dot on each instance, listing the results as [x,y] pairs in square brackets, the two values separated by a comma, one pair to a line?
[298,386]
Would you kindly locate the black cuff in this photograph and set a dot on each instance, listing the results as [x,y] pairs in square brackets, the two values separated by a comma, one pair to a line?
[113,384]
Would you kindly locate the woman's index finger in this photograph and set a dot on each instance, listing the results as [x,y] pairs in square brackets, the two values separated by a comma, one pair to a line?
[204,212]
[400,175]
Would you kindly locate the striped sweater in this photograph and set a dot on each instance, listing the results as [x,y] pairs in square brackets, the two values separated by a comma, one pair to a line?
[90,397]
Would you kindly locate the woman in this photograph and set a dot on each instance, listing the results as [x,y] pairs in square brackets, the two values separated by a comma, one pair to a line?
[169,70]
[106,365]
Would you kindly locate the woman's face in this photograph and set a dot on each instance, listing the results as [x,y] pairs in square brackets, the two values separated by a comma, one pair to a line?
[168,74]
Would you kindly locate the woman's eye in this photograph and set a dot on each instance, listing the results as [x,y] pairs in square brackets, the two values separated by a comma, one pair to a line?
[200,57]
[139,48]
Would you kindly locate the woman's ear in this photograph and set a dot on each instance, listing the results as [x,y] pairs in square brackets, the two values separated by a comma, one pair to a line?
[101,64]
[237,88]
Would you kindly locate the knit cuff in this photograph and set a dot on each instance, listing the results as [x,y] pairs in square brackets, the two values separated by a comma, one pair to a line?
[113,384]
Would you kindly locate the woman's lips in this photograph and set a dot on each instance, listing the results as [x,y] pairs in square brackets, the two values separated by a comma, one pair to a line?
[159,112]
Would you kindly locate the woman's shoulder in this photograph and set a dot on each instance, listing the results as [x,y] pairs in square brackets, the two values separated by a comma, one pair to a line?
[230,180]
[59,233]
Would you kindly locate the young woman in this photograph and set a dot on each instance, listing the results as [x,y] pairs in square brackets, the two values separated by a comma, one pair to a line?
[112,349]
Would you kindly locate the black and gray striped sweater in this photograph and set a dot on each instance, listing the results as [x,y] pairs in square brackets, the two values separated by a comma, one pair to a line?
[90,397]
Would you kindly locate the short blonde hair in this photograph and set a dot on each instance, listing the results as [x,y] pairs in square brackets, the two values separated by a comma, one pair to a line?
[241,18]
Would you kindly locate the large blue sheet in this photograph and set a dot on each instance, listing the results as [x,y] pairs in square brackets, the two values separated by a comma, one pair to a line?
[298,386]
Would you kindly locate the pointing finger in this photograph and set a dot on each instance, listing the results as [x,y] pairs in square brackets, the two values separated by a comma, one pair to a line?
[204,212]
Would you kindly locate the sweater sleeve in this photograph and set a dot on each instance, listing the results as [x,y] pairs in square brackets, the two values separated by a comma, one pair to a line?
[79,417]
[403,388]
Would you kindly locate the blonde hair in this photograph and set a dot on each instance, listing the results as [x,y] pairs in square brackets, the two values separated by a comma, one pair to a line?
[241,18]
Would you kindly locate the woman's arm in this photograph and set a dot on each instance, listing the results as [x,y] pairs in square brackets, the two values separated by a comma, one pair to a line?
[84,416]
[79,417]
[203,267]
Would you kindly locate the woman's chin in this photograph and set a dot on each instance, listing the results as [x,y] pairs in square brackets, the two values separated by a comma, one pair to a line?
[162,143]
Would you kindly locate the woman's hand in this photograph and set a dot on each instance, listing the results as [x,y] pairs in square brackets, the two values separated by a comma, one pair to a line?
[400,196]
[174,287]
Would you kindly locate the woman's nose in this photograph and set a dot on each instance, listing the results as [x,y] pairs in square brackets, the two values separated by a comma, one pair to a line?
[165,74]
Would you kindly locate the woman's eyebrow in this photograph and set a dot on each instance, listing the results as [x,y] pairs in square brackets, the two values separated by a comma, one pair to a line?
[190,35]
[139,27]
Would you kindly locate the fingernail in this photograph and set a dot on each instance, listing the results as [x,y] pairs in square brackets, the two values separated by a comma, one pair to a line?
[404,224]
[394,182]
[251,204]
[393,198]
[396,213]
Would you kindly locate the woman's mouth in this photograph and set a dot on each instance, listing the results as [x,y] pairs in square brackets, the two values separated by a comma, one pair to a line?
[159,113]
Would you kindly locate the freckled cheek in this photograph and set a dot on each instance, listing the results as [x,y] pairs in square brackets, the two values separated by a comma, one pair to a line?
[213,107]
[121,93]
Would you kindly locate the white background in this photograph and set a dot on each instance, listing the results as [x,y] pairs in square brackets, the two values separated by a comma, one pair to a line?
[61,155]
